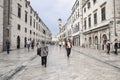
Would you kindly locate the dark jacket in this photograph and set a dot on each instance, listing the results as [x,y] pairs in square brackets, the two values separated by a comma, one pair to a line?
[39,51]
[116,45]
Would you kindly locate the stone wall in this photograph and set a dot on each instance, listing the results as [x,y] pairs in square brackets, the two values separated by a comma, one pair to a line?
[1,25]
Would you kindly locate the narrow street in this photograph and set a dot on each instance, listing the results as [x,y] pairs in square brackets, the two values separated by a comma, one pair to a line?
[90,29]
[59,67]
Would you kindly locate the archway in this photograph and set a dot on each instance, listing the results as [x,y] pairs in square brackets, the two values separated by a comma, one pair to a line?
[104,40]
[96,41]
[25,42]
[90,41]
[18,42]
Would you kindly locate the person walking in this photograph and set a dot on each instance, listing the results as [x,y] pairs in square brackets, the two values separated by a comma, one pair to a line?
[108,46]
[60,44]
[8,47]
[32,44]
[28,44]
[116,46]
[68,48]
[43,52]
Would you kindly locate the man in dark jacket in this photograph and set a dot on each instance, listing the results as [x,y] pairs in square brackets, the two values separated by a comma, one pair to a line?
[108,46]
[116,46]
[8,46]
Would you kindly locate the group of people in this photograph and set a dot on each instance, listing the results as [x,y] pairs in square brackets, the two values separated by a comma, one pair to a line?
[116,46]
[68,45]
[42,51]
[30,43]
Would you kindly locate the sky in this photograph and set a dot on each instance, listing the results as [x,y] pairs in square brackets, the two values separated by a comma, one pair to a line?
[51,10]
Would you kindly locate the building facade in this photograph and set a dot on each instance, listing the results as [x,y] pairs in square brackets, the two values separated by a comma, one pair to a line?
[21,23]
[1,24]
[101,22]
[93,22]
[73,27]
[74,24]
[76,15]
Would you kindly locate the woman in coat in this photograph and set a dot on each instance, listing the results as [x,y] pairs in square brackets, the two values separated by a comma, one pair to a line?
[43,52]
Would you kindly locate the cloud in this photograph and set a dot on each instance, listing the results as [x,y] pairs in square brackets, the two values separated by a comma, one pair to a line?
[50,10]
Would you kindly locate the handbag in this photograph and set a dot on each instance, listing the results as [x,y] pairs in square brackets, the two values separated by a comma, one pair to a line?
[39,51]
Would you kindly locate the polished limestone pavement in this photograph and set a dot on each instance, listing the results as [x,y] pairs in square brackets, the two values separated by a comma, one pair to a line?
[59,67]
[13,62]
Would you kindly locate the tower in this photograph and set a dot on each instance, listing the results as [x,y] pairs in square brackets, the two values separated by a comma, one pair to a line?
[60,24]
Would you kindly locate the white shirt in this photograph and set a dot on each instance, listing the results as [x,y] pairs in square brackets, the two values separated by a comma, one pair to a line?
[68,44]
[28,42]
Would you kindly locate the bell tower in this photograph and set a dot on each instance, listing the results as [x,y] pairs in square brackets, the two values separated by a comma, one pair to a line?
[60,24]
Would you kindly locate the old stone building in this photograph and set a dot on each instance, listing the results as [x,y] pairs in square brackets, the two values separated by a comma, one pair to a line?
[21,23]
[1,25]
[101,22]
[93,22]
[76,22]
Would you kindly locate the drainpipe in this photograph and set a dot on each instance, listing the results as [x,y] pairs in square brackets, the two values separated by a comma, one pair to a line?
[8,12]
[114,18]
[9,20]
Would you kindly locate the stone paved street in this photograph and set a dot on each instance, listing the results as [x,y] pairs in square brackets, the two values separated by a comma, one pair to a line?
[13,62]
[80,66]
[35,31]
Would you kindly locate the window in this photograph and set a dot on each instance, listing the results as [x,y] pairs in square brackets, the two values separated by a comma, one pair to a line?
[31,10]
[39,27]
[103,14]
[88,5]
[26,5]
[34,33]
[30,32]
[94,1]
[34,23]
[95,18]
[84,10]
[85,24]
[34,14]
[76,29]
[19,10]
[25,30]
[30,20]
[78,13]
[89,21]
[59,24]
[43,31]
[19,27]
[39,20]
[26,16]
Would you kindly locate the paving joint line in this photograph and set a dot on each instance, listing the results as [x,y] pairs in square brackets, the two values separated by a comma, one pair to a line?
[92,57]
[8,76]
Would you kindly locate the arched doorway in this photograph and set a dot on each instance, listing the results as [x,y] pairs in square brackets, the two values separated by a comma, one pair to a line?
[96,41]
[90,41]
[104,40]
[85,43]
[18,42]
[25,42]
